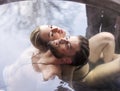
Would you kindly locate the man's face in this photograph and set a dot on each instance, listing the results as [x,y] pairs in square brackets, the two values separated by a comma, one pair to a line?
[67,47]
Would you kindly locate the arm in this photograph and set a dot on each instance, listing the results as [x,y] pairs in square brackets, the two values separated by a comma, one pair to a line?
[50,71]
[103,73]
[67,73]
[106,46]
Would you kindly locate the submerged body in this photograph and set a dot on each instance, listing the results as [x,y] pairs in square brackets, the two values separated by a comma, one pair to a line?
[21,75]
[104,49]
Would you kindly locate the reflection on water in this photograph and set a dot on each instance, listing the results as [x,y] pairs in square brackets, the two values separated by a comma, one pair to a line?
[17,21]
[20,76]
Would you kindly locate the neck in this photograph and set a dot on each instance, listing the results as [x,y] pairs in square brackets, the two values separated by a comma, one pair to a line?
[48,59]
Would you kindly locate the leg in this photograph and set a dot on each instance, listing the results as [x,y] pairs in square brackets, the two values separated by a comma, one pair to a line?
[103,73]
[104,43]
[117,35]
[109,21]
[93,20]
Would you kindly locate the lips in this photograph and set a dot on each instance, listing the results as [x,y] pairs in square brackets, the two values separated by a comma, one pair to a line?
[61,30]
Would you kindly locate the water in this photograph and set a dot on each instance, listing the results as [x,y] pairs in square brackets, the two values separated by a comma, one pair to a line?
[17,20]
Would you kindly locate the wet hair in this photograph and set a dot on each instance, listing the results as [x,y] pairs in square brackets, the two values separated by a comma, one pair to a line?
[81,57]
[37,41]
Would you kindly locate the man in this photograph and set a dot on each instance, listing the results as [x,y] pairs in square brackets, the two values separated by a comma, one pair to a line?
[96,77]
[71,50]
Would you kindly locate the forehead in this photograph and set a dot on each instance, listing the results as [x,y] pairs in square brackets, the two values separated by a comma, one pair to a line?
[44,31]
[44,28]
[74,39]
[47,27]
[75,43]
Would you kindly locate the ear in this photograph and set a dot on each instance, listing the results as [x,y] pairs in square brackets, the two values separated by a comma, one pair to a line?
[66,60]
